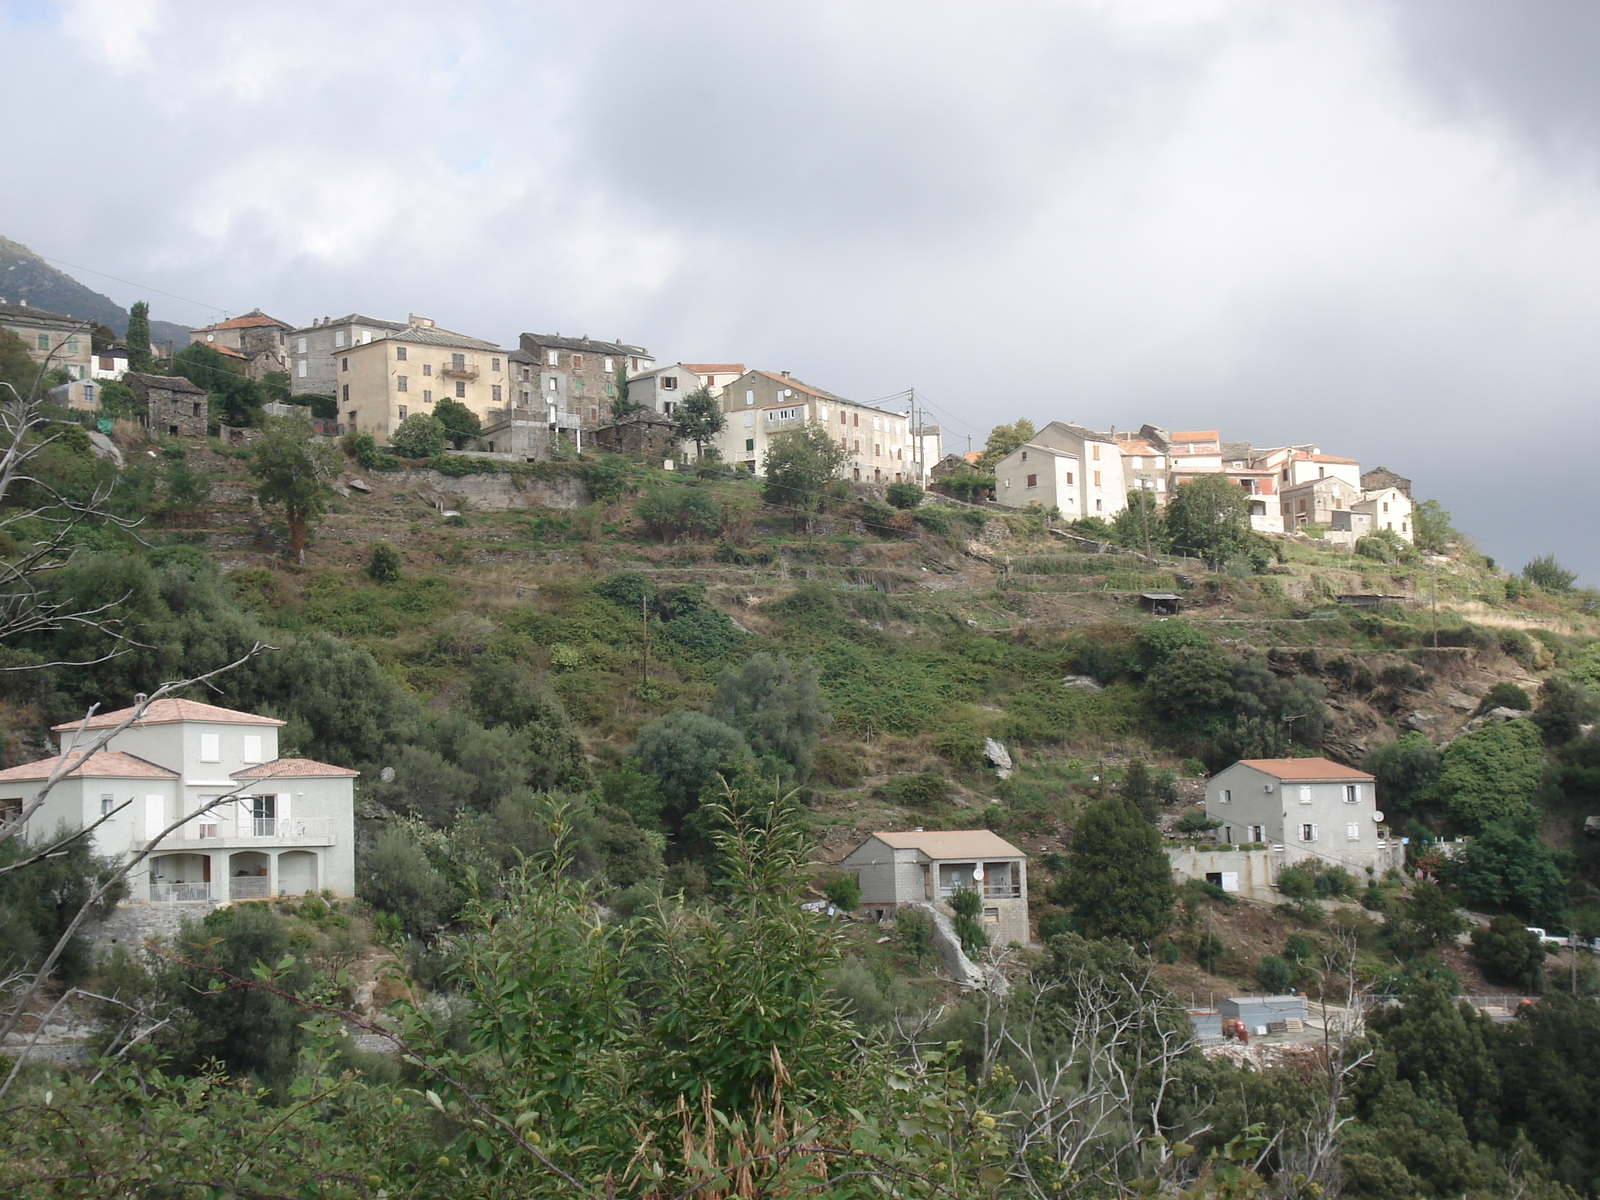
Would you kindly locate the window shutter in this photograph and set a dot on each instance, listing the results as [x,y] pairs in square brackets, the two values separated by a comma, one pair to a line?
[210,747]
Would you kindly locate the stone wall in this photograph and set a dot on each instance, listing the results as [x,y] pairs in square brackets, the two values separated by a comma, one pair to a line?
[131,925]
[497,493]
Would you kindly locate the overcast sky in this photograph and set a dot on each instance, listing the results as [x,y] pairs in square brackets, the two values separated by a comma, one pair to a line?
[1368,225]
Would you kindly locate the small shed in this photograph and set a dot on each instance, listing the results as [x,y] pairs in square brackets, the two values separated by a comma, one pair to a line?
[644,432]
[173,405]
[1162,604]
[1266,1014]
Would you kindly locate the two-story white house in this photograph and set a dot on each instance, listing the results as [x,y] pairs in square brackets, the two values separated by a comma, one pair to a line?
[288,829]
[1311,807]
[930,866]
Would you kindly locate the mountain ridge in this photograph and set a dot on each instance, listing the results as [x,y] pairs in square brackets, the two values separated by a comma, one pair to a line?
[27,278]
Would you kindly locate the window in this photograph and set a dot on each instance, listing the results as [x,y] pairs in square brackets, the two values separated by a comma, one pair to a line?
[1099,506]
[577,383]
[300,370]
[749,443]
[1069,478]
[856,421]
[345,393]
[1033,481]
[611,366]
[525,395]
[400,354]
[88,394]
[461,390]
[594,414]
[400,382]
[252,747]
[577,362]
[351,418]
[550,357]
[749,420]
[669,383]
[1305,793]
[1227,796]
[72,345]
[366,336]
[1308,833]
[877,450]
[1352,794]
[44,341]
[553,384]
[210,747]
[107,803]
[402,412]
[338,338]
[427,368]
[494,364]
[427,396]
[1352,831]
[1024,456]
[302,346]
[1258,833]
[458,362]
[494,392]
[1097,479]
[856,447]
[1095,453]
[843,419]
[750,397]
[344,364]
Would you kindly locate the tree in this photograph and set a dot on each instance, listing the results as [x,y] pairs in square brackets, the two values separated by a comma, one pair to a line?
[843,892]
[384,565]
[779,708]
[966,904]
[1003,439]
[397,878]
[1491,773]
[1209,516]
[503,695]
[237,398]
[1117,881]
[621,406]
[1509,954]
[799,466]
[1273,974]
[1549,574]
[1563,709]
[904,495]
[138,339]
[421,435]
[1405,769]
[699,419]
[1426,917]
[1148,790]
[1141,523]
[460,423]
[294,470]
[1431,529]
[1504,695]
[1507,865]
[685,751]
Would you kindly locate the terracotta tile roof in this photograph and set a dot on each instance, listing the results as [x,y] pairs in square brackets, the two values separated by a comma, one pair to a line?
[953,843]
[785,381]
[1304,769]
[102,764]
[251,320]
[1137,445]
[973,456]
[227,350]
[1197,435]
[1331,458]
[296,768]
[164,712]
[714,368]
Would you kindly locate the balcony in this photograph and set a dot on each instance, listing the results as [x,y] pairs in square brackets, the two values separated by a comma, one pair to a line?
[562,419]
[459,371]
[996,891]
[270,831]
[179,893]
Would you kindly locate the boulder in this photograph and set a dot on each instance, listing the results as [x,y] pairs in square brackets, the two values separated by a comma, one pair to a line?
[968,975]
[103,447]
[995,755]
[361,485]
[1082,683]
[1464,703]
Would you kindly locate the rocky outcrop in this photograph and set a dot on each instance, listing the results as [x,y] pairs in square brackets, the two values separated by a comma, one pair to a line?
[968,975]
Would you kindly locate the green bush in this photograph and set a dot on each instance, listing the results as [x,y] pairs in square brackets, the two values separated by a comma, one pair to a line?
[1298,948]
[1296,883]
[363,448]
[905,495]
[914,926]
[419,436]
[924,792]
[1505,695]
[1273,974]
[384,564]
[966,904]
[843,892]
[1508,954]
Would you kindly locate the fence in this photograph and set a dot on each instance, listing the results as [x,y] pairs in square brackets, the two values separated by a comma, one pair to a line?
[179,893]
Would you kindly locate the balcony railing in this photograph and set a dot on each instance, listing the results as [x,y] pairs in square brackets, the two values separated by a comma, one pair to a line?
[179,893]
[249,887]
[465,371]
[281,828]
[996,891]
[560,418]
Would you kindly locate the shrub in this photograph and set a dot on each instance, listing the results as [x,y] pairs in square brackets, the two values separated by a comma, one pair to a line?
[1508,954]
[1405,770]
[905,495]
[460,423]
[925,791]
[384,564]
[843,892]
[1562,711]
[685,751]
[419,436]
[779,708]
[1210,952]
[363,448]
[627,588]
[1298,948]
[1549,574]
[966,904]
[398,879]
[1296,883]
[915,929]
[1505,695]
[1273,974]
[1169,953]
[1491,773]
[1196,821]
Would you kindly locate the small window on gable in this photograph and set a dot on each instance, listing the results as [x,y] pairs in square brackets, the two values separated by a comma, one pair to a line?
[210,747]
[1227,796]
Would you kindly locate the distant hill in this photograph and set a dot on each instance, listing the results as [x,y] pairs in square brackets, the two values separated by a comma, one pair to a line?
[24,276]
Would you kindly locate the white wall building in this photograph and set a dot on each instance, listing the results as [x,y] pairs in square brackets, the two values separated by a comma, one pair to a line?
[291,829]
[1313,808]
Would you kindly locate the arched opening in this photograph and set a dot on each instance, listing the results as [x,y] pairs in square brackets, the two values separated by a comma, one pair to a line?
[297,872]
[248,876]
[180,878]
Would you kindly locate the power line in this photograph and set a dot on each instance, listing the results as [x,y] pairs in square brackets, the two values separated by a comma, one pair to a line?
[131,283]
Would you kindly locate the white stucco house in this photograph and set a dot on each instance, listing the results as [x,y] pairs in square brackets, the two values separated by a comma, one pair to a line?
[288,829]
[893,869]
[1303,808]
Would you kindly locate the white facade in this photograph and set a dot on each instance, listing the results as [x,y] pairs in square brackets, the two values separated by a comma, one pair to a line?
[1389,508]
[289,828]
[1097,486]
[1038,476]
[1312,808]
[760,405]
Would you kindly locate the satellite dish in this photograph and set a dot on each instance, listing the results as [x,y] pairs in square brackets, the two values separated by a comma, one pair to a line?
[977,870]
[1377,817]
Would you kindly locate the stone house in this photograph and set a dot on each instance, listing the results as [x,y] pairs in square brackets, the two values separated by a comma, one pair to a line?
[261,342]
[1097,486]
[583,371]
[1306,809]
[1379,478]
[759,405]
[289,828]
[51,338]
[313,368]
[928,867]
[173,406]
[1144,462]
[1330,502]
[645,432]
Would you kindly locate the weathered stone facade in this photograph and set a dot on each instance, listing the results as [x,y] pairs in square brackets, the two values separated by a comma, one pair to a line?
[646,432]
[584,370]
[173,406]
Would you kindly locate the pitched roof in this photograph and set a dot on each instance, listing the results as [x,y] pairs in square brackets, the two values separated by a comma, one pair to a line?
[102,764]
[953,843]
[1197,435]
[296,768]
[165,712]
[1304,769]
[1044,449]
[714,368]
[555,341]
[1080,431]
[1331,458]
[1130,443]
[427,336]
[170,383]
[354,319]
[39,316]
[251,320]
[787,381]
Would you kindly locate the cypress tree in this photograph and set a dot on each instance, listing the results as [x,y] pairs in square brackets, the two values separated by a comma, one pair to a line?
[139,356]
[1117,881]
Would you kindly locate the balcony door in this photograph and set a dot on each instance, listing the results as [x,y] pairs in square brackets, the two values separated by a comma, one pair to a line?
[264,815]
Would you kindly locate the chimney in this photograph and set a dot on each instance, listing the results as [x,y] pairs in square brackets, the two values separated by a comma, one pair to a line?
[785,374]
[23,303]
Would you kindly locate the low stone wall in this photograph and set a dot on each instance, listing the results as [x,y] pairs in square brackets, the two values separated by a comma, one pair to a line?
[131,925]
[497,493]
[1250,874]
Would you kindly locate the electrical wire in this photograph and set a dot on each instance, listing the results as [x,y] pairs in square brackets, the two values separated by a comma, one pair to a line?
[143,287]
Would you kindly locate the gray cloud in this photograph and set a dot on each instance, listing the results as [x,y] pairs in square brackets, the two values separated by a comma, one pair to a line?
[1371,226]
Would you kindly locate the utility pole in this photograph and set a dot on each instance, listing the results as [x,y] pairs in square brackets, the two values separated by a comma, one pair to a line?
[644,628]
[1433,596]
[1144,515]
